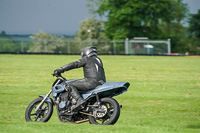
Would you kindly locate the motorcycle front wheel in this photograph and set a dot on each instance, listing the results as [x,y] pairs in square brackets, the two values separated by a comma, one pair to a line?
[43,114]
[112,112]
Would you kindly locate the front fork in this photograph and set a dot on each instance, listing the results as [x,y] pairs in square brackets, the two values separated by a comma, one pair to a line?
[47,96]
[43,101]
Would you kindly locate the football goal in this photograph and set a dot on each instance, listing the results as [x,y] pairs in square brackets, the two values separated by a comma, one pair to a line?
[145,46]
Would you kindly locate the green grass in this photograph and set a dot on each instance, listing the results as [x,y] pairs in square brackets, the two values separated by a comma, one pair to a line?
[163,96]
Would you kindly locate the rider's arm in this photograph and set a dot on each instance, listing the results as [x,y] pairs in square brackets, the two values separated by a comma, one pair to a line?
[77,64]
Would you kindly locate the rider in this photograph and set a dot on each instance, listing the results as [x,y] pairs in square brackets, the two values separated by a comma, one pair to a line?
[94,74]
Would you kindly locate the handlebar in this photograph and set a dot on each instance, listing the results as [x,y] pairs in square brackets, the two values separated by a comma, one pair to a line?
[58,75]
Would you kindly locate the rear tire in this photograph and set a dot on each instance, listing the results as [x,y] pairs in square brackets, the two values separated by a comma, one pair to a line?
[42,115]
[112,115]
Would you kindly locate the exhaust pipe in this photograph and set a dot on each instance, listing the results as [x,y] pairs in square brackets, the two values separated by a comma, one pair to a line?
[78,122]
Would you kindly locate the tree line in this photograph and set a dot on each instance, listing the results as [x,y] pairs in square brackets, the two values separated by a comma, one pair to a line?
[155,19]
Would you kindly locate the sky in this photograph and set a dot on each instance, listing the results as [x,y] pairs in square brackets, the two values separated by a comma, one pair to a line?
[50,16]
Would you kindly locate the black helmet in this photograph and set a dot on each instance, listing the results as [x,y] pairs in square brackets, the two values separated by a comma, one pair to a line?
[89,51]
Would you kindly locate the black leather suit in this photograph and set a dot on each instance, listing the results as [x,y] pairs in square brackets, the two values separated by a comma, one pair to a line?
[94,74]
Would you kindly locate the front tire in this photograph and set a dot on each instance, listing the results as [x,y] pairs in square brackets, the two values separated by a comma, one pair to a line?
[42,115]
[112,115]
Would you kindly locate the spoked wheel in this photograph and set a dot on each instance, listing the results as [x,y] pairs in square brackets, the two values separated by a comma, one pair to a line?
[42,115]
[109,113]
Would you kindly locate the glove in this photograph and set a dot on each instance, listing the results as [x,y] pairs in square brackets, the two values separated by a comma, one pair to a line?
[57,72]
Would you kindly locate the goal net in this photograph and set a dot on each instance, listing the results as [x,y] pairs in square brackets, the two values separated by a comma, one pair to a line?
[146,46]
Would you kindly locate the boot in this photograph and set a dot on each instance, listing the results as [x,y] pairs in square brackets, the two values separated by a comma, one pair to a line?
[79,100]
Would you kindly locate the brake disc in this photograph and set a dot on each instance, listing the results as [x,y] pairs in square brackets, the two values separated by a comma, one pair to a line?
[102,111]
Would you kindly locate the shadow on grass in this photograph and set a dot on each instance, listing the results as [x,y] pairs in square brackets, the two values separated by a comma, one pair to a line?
[194,126]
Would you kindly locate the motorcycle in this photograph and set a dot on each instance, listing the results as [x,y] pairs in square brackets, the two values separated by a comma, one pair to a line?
[99,107]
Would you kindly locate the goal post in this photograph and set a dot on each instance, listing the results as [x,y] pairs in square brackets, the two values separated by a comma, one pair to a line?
[146,46]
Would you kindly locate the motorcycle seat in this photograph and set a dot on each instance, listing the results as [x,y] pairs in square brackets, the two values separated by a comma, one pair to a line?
[86,91]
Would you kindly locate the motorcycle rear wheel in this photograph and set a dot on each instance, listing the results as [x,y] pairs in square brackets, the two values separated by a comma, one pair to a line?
[112,114]
[42,115]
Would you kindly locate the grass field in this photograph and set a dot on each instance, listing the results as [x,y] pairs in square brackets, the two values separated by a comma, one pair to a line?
[164,95]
